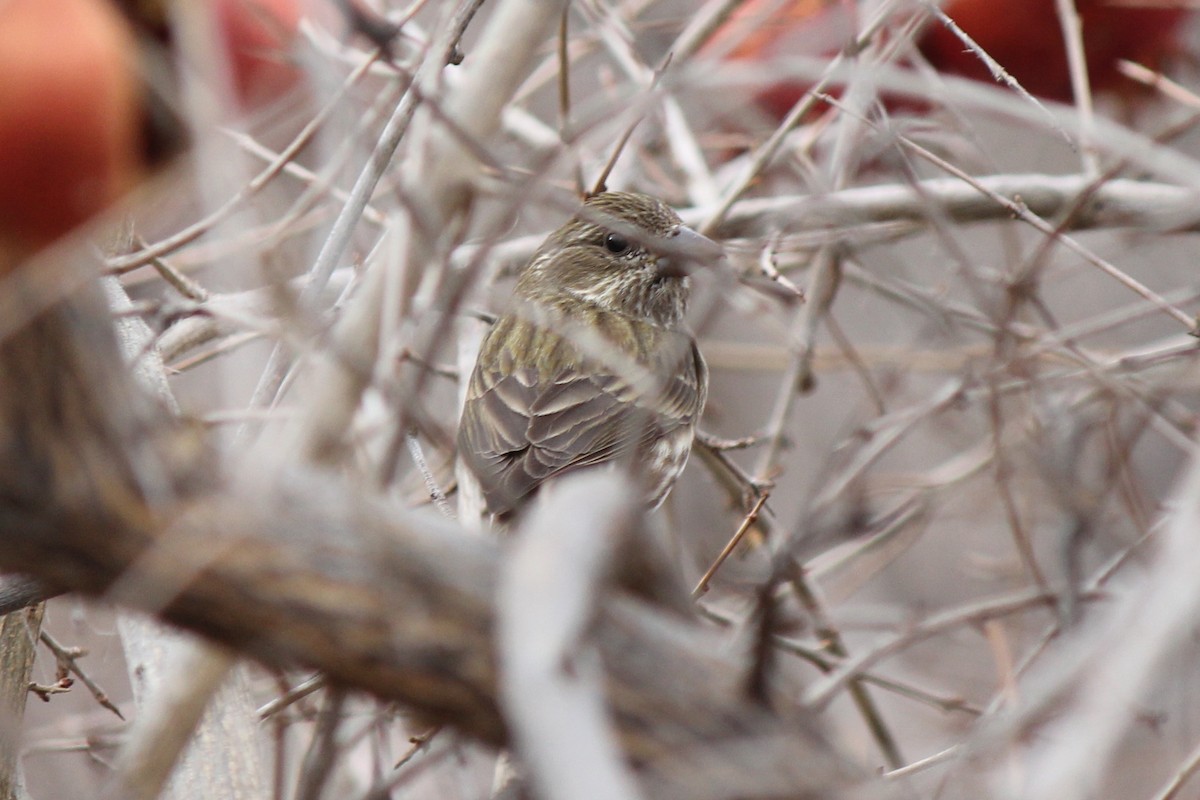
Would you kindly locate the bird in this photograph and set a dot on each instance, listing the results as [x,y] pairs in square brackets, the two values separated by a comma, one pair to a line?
[593,364]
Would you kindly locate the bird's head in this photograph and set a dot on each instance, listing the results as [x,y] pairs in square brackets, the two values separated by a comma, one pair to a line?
[626,253]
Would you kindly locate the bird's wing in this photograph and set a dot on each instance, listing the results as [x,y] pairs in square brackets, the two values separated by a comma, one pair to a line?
[526,422]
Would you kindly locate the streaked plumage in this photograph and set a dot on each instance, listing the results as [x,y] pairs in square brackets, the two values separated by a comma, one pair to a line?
[592,365]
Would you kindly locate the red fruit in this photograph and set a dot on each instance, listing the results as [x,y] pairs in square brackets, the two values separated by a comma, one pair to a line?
[1025,36]
[258,35]
[799,27]
[69,121]
[757,32]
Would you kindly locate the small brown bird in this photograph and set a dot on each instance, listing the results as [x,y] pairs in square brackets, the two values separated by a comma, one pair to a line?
[593,365]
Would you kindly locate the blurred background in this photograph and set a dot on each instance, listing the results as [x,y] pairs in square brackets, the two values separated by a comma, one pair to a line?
[954,380]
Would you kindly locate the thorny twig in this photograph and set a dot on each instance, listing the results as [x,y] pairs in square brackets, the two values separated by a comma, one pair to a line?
[68,661]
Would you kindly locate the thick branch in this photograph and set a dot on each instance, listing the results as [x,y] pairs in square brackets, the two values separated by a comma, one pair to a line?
[1112,204]
[18,645]
[1121,203]
[101,493]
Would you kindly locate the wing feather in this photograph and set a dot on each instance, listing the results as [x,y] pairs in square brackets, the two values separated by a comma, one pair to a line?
[526,422]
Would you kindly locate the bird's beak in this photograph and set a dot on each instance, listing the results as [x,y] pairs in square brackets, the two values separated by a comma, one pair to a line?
[683,251]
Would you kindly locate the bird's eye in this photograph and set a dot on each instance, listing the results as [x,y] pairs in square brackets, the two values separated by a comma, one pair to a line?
[616,244]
